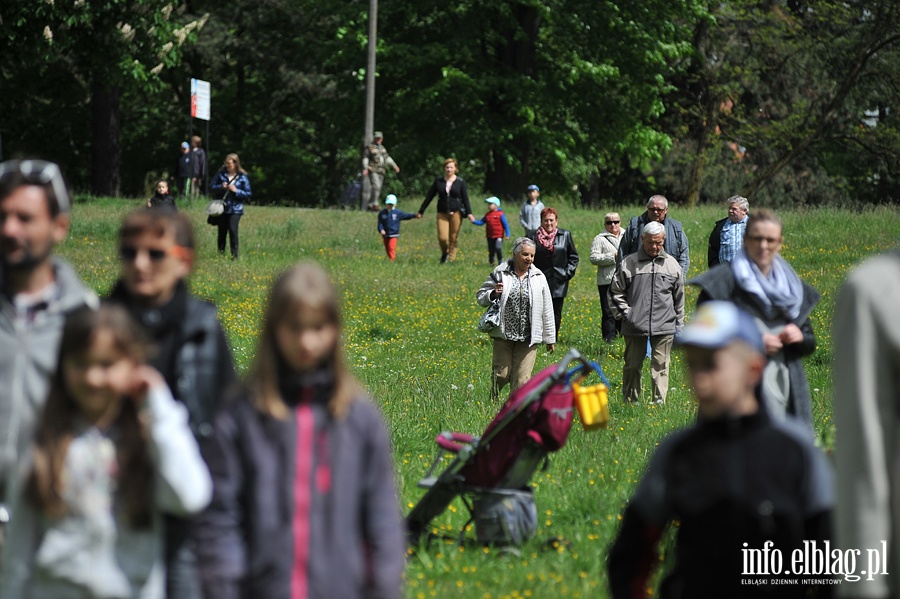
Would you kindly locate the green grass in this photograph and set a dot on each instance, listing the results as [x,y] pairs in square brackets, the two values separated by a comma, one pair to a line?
[411,339]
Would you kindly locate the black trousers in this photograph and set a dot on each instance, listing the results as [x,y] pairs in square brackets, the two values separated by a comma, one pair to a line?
[228,226]
[557,313]
[608,324]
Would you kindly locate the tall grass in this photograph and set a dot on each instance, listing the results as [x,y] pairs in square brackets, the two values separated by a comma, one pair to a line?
[411,339]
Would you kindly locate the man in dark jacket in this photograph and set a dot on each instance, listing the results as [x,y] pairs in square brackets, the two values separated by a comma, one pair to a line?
[156,250]
[676,241]
[727,237]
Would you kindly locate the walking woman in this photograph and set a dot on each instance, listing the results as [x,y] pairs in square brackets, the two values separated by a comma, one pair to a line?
[556,257]
[526,316]
[604,253]
[760,281]
[452,206]
[231,184]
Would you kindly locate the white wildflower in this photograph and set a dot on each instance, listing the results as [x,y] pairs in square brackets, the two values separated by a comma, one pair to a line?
[48,34]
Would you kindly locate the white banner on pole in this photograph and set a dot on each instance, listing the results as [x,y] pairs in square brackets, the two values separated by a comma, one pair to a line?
[200,99]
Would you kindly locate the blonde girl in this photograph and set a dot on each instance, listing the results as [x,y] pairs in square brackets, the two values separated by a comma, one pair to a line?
[305,504]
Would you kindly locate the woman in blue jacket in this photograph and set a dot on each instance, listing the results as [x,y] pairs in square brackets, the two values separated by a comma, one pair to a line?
[231,184]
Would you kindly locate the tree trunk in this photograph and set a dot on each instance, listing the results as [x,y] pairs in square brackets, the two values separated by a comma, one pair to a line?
[509,165]
[106,149]
[698,169]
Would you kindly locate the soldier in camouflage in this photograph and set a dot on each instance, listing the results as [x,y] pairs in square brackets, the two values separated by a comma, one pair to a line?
[374,163]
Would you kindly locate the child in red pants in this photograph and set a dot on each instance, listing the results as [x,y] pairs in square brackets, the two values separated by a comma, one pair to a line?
[389,225]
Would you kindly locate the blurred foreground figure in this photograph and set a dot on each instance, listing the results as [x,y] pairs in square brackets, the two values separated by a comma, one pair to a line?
[866,373]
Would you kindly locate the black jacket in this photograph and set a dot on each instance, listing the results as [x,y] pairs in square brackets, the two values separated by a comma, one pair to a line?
[193,356]
[560,264]
[715,243]
[456,201]
[730,483]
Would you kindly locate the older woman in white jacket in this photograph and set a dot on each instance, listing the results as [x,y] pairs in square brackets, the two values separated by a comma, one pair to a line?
[604,254]
[526,316]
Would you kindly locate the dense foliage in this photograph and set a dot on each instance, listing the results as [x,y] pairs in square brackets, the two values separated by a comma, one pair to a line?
[789,101]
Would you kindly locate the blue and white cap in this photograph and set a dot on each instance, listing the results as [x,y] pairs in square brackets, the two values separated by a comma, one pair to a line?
[493,200]
[717,324]
[390,199]
[533,187]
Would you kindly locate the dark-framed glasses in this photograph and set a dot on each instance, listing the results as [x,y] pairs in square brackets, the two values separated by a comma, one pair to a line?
[38,172]
[613,222]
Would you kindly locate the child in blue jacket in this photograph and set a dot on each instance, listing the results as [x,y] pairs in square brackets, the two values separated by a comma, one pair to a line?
[389,225]
[497,229]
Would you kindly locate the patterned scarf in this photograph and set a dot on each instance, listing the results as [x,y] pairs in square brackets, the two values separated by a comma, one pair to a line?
[546,239]
[781,293]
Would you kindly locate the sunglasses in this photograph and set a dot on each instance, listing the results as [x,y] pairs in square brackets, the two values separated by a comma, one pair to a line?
[129,253]
[613,222]
[38,172]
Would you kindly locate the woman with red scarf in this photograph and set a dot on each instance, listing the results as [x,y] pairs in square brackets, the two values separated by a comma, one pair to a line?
[556,257]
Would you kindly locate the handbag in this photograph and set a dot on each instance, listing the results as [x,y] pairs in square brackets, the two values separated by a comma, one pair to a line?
[490,320]
[215,207]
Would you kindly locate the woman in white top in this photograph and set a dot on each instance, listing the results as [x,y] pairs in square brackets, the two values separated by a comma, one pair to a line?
[526,316]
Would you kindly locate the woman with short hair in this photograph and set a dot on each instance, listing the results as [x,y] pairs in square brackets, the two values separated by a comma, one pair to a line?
[526,316]
[760,281]
[604,254]
[556,257]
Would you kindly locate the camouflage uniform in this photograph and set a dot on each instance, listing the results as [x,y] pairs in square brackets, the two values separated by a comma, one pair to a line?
[376,160]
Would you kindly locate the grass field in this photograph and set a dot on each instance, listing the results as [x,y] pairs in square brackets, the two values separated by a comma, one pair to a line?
[411,339]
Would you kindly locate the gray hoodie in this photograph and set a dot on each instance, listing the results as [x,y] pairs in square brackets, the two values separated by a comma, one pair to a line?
[28,354]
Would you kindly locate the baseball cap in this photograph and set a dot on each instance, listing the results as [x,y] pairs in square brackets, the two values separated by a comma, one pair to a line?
[377,135]
[533,187]
[391,199]
[717,324]
[185,144]
[493,200]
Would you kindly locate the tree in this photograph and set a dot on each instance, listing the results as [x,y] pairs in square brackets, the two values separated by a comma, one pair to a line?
[101,49]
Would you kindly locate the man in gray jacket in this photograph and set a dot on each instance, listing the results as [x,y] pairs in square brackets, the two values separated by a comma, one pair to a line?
[38,291]
[647,295]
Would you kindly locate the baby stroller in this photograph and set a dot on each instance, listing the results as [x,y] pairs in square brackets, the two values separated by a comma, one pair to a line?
[491,473]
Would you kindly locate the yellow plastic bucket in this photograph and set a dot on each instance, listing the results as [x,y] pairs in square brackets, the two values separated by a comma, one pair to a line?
[592,404]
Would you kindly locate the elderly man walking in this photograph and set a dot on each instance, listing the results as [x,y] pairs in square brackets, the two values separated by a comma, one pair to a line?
[38,291]
[647,295]
[676,241]
[727,237]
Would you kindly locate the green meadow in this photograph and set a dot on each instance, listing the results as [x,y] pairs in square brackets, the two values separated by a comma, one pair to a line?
[410,337]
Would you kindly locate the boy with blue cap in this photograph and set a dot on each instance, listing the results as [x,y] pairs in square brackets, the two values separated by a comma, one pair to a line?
[496,229]
[742,487]
[530,214]
[389,225]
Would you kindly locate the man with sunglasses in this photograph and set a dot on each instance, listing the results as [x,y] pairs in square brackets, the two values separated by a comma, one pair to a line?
[38,291]
[676,241]
[156,253]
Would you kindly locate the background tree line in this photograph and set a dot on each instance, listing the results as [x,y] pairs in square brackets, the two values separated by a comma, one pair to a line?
[787,101]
